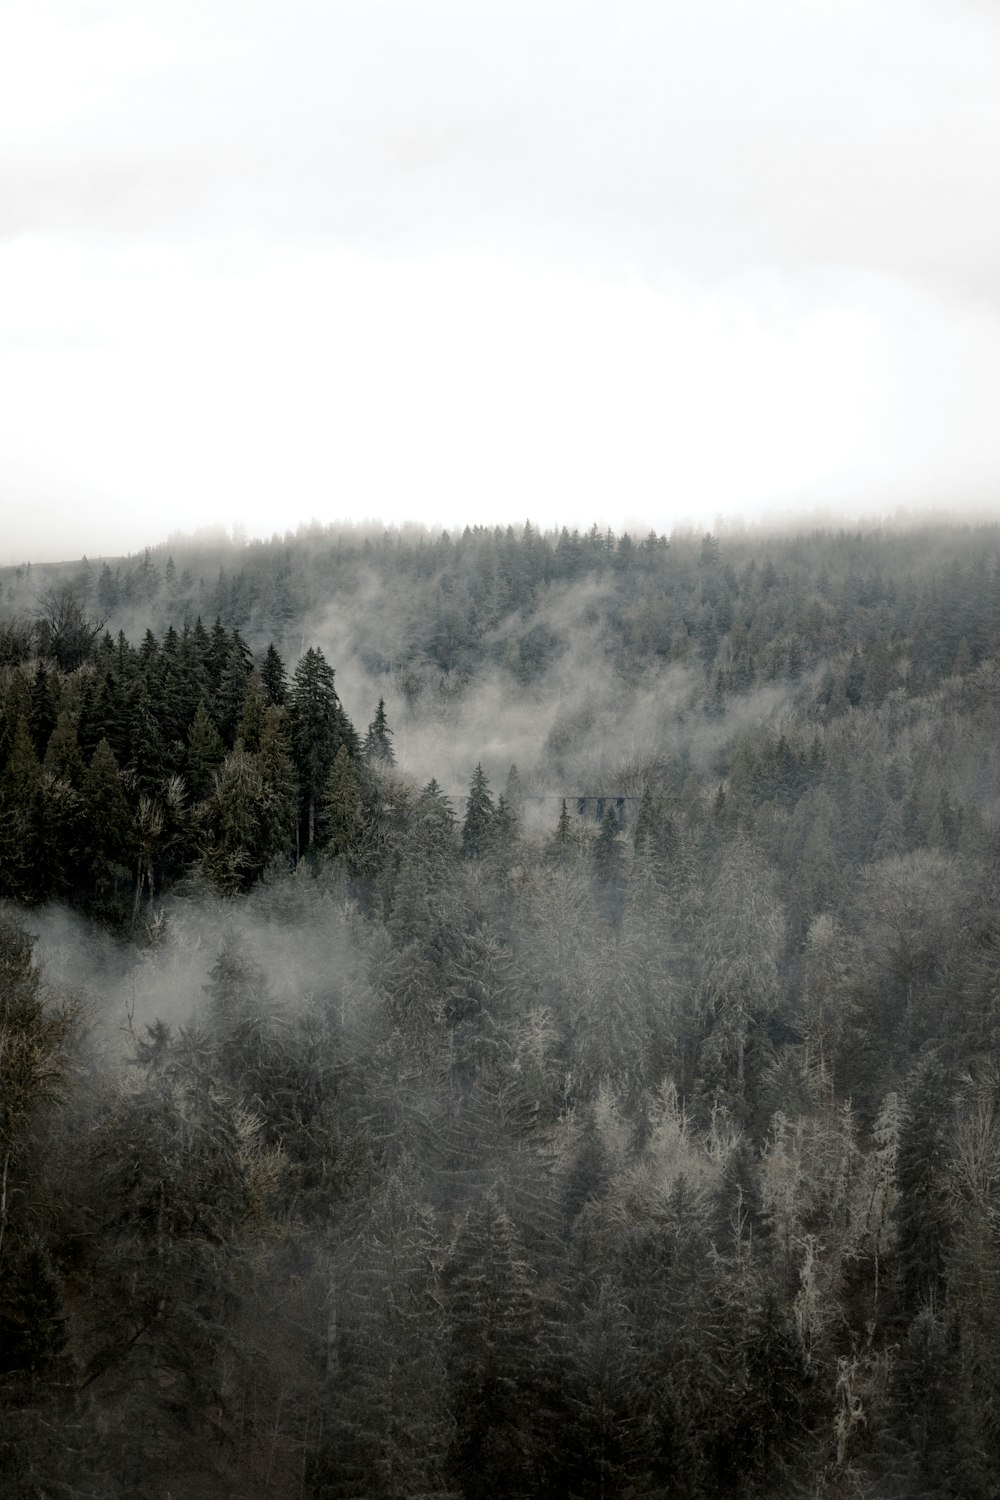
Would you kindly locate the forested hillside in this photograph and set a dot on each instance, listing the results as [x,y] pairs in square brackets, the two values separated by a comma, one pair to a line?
[502,1015]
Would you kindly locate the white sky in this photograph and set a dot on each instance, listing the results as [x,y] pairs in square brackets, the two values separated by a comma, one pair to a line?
[476,260]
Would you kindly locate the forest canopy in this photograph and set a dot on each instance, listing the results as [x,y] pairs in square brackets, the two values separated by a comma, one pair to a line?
[502,1014]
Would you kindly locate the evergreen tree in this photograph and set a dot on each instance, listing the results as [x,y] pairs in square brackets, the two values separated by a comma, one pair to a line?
[496,1356]
[149,653]
[272,673]
[147,758]
[932,1443]
[43,709]
[245,820]
[923,1207]
[514,796]
[378,741]
[62,756]
[15,704]
[479,815]
[605,1394]
[184,1187]
[192,670]
[242,1018]
[23,875]
[216,657]
[318,728]
[169,707]
[106,718]
[505,828]
[274,759]
[341,816]
[432,826]
[35,1035]
[230,698]
[108,819]
[562,843]
[391,1418]
[255,706]
[205,752]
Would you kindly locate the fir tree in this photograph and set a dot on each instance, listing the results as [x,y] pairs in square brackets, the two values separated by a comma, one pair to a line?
[147,757]
[514,796]
[230,699]
[933,1440]
[108,819]
[495,1355]
[563,842]
[246,820]
[318,727]
[923,1207]
[43,709]
[62,756]
[205,752]
[392,1424]
[378,741]
[479,815]
[272,674]
[23,875]
[341,816]
[254,708]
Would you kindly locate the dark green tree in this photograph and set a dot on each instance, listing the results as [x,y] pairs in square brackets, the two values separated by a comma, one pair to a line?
[245,820]
[62,755]
[495,1356]
[205,752]
[184,1186]
[272,672]
[108,832]
[378,741]
[255,706]
[147,754]
[23,875]
[43,709]
[923,1210]
[932,1443]
[341,814]
[391,1418]
[318,727]
[34,1035]
[230,698]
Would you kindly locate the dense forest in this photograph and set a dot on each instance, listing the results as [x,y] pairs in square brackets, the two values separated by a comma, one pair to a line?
[502,1014]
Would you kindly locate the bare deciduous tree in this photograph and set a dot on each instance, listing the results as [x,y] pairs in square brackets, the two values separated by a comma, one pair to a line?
[63,628]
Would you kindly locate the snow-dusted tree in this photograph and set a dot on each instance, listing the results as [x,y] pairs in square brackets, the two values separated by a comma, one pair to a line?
[479,815]
[739,949]
[389,1414]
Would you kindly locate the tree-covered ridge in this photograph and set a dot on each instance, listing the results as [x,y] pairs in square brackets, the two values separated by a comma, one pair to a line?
[751,607]
[502,1151]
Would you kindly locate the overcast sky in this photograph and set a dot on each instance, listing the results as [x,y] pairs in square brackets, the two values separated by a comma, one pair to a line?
[457,260]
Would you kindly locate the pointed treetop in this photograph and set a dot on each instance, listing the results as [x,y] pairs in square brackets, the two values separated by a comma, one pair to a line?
[513,792]
[378,740]
[479,815]
[563,840]
[272,673]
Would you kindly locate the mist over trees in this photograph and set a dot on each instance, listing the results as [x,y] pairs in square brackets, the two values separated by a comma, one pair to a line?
[502,1014]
